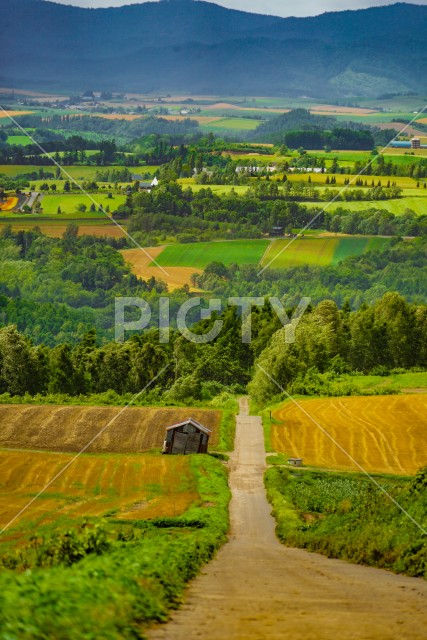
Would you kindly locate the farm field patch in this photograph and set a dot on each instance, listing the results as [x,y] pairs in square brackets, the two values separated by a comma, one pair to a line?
[19,140]
[200,254]
[69,428]
[8,204]
[241,124]
[131,486]
[322,251]
[69,203]
[384,434]
[78,172]
[14,113]
[56,228]
[143,267]
[418,204]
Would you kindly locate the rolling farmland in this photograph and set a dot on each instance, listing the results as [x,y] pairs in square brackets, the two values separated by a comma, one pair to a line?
[189,258]
[133,486]
[200,254]
[318,251]
[143,267]
[69,428]
[384,434]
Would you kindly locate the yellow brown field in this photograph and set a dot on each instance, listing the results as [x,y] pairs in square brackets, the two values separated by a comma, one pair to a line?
[133,486]
[8,204]
[56,229]
[175,277]
[70,428]
[384,434]
[14,114]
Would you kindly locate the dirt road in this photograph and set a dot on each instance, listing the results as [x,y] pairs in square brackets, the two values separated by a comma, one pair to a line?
[256,588]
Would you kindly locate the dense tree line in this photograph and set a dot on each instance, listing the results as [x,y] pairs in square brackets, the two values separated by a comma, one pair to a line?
[391,334]
[172,208]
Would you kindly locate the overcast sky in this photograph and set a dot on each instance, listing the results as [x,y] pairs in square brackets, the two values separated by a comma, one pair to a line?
[273,7]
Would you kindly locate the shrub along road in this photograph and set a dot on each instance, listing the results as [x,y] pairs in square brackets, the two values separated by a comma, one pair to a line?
[256,588]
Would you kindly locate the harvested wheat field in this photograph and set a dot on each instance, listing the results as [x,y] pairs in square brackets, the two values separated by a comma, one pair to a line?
[131,486]
[142,266]
[70,428]
[384,434]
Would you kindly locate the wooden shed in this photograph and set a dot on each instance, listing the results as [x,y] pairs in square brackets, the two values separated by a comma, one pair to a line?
[295,462]
[186,437]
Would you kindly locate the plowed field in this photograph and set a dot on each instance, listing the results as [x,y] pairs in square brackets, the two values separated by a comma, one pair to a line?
[70,428]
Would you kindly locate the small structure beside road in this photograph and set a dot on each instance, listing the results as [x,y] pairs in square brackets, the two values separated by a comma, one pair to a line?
[186,437]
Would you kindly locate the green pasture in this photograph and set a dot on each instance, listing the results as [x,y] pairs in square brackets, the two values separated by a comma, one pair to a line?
[78,172]
[200,254]
[19,140]
[220,189]
[229,124]
[69,203]
[283,252]
[418,204]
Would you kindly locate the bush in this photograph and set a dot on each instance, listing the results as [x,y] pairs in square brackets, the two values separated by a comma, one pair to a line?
[347,516]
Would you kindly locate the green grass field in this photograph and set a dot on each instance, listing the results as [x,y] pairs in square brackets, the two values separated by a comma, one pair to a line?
[76,171]
[19,140]
[69,203]
[200,254]
[239,124]
[302,251]
[418,204]
[318,251]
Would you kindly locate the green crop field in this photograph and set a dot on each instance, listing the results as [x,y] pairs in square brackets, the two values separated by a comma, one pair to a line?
[19,140]
[240,124]
[76,171]
[418,204]
[318,251]
[200,254]
[69,203]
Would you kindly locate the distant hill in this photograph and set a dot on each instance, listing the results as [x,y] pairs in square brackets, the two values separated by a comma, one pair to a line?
[200,47]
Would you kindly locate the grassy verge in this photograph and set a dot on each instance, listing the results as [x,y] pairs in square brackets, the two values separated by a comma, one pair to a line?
[227,427]
[133,581]
[346,516]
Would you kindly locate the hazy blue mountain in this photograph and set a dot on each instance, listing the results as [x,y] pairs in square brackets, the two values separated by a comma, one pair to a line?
[200,47]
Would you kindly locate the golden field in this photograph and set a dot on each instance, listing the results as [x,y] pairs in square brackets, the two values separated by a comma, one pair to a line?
[384,434]
[132,486]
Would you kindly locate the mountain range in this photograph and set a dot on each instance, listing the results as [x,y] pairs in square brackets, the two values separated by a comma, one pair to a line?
[202,48]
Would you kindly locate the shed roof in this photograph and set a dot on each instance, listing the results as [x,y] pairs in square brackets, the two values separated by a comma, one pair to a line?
[190,421]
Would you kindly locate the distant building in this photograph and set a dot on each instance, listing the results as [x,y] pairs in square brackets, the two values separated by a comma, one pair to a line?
[186,437]
[416,143]
[148,186]
[295,462]
[276,232]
